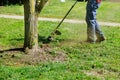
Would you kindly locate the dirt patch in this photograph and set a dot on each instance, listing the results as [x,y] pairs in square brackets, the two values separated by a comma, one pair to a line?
[96,73]
[36,58]
[44,55]
[14,57]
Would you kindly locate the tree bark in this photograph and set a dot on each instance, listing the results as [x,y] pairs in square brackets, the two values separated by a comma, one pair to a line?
[32,8]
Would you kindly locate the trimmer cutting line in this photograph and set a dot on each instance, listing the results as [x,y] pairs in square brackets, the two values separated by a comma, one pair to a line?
[57,32]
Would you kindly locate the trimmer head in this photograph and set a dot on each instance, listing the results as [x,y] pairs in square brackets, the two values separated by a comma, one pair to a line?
[57,32]
[51,37]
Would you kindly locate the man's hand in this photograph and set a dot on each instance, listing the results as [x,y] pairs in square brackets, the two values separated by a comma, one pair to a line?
[98,1]
[80,0]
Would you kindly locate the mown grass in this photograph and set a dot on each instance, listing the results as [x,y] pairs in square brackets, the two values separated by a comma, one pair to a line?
[13,9]
[11,32]
[57,9]
[84,61]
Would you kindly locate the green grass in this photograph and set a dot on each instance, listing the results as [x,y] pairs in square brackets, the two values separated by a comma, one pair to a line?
[13,9]
[100,61]
[10,32]
[85,61]
[56,9]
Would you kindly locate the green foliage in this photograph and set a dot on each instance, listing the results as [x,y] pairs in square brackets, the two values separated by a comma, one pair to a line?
[10,2]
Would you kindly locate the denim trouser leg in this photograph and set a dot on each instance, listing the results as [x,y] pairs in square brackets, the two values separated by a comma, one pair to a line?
[91,31]
[98,31]
[93,28]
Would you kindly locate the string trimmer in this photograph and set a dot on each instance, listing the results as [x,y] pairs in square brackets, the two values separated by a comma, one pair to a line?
[56,31]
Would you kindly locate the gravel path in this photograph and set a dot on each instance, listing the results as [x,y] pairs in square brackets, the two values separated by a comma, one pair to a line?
[58,20]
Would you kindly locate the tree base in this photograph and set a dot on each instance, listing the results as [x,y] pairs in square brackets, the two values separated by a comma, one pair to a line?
[43,54]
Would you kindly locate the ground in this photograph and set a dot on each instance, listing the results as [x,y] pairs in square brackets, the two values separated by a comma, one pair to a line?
[30,57]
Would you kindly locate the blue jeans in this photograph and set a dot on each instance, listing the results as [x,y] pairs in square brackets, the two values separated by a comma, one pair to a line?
[93,28]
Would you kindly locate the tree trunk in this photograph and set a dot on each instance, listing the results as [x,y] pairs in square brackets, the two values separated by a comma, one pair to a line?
[31,33]
[32,8]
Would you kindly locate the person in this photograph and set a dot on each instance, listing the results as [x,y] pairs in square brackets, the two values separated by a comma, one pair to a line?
[93,28]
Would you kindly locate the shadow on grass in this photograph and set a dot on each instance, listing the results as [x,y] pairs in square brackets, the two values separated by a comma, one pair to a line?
[17,39]
[42,39]
[14,49]
[10,50]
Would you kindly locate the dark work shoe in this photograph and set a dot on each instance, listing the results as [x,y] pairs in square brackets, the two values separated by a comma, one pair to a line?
[101,39]
[90,41]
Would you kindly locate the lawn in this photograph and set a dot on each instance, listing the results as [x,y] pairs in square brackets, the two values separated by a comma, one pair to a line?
[84,61]
[76,59]
[57,9]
